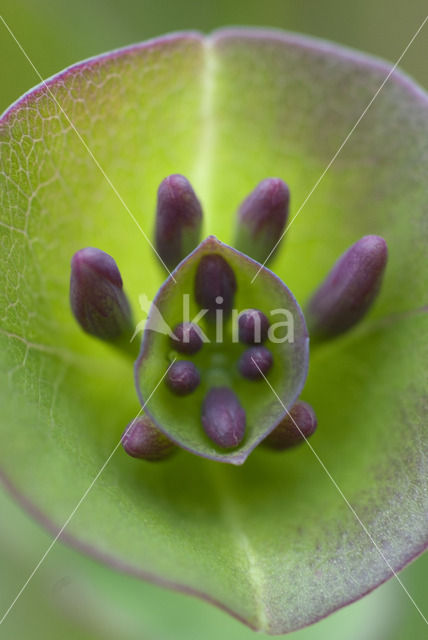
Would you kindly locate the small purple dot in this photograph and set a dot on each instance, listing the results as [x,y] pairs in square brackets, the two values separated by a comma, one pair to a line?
[253,326]
[188,338]
[182,377]
[255,363]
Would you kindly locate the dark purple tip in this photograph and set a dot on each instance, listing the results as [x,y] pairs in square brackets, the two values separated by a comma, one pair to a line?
[253,326]
[141,439]
[183,377]
[223,418]
[262,218]
[255,363]
[188,338]
[294,428]
[96,295]
[215,285]
[178,220]
[349,290]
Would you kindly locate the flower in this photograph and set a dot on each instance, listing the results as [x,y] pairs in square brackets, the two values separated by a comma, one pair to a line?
[273,541]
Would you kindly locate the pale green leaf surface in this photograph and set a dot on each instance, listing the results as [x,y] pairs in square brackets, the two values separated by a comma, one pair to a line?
[79,598]
[272,541]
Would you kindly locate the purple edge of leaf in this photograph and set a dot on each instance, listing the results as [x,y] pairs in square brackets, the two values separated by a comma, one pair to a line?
[317,45]
[119,565]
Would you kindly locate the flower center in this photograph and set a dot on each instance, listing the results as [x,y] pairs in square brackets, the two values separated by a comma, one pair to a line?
[212,356]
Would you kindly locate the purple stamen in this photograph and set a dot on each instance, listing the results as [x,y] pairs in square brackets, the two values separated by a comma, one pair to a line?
[223,418]
[215,285]
[178,220]
[255,363]
[182,377]
[253,326]
[96,295]
[349,290]
[262,218]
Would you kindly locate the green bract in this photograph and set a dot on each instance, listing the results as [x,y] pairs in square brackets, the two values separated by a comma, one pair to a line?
[217,361]
[272,541]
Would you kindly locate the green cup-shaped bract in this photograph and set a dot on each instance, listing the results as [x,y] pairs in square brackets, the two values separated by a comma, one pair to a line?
[217,361]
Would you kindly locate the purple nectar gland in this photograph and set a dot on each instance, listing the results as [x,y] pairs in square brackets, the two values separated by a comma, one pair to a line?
[142,440]
[299,424]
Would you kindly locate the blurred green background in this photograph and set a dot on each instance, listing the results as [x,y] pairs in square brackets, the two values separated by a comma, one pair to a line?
[71,596]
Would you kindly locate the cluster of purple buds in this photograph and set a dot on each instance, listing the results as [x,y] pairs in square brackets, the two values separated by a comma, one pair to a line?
[223,417]
[101,308]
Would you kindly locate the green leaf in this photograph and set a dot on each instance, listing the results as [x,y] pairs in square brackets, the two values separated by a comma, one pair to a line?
[81,596]
[272,541]
[180,418]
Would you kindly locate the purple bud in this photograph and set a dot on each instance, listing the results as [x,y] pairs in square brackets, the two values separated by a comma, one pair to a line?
[299,424]
[183,377]
[215,285]
[253,326]
[141,439]
[261,219]
[349,290]
[188,338]
[255,363]
[96,295]
[223,418]
[178,220]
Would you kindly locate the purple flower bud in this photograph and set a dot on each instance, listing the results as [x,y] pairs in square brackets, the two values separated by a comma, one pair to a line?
[253,326]
[261,219]
[223,418]
[96,295]
[255,362]
[188,336]
[182,377]
[294,428]
[141,439]
[349,290]
[215,285]
[178,220]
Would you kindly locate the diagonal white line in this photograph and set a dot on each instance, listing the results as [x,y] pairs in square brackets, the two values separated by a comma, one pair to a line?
[334,158]
[348,504]
[91,154]
[84,496]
